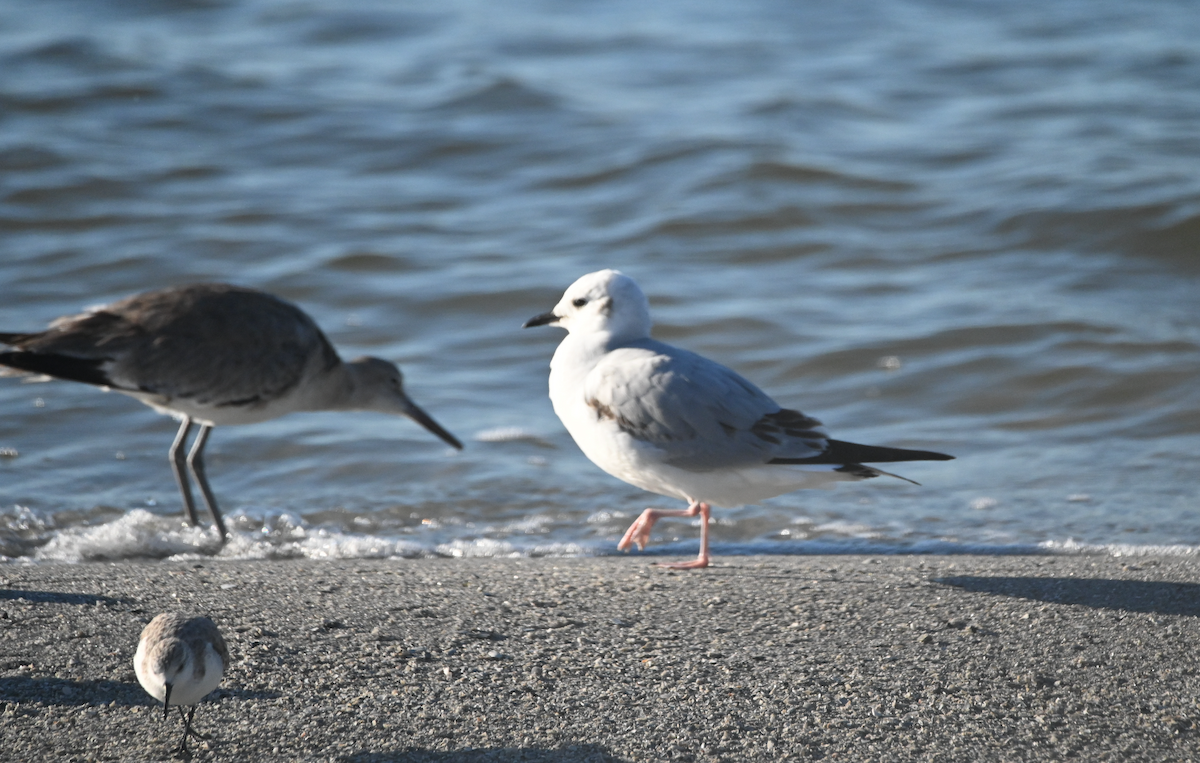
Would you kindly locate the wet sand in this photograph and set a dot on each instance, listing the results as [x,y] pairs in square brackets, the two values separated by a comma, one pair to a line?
[758,658]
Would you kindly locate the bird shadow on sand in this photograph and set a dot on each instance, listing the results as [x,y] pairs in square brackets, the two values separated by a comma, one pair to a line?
[57,597]
[67,692]
[64,691]
[579,753]
[1148,596]
[236,693]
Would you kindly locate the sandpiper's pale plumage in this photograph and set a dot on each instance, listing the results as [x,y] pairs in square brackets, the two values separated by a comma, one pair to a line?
[675,423]
[179,661]
[212,354]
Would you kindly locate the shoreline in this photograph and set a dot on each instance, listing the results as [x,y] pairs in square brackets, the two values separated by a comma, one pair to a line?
[610,659]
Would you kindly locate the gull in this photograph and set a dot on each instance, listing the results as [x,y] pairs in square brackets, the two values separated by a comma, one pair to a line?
[675,423]
[179,661]
[212,354]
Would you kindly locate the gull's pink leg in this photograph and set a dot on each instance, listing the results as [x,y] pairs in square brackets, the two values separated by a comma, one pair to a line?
[700,561]
[639,532]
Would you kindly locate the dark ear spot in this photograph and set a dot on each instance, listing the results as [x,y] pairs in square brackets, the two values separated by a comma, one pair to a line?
[606,305]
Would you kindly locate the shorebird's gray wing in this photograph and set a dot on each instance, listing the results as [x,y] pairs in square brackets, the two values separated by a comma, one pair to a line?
[203,629]
[701,414]
[211,343]
[222,649]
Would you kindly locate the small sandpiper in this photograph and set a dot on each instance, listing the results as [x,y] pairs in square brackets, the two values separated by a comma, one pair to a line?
[179,661]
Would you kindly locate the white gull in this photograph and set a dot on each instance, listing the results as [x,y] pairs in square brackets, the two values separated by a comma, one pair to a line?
[674,423]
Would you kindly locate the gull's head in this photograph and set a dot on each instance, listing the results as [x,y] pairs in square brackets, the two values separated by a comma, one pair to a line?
[378,385]
[607,301]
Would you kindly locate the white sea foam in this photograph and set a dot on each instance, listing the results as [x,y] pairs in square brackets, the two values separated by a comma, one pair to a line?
[135,534]
[487,547]
[23,519]
[1118,549]
[505,434]
[332,545]
[140,534]
[565,550]
[852,529]
[606,516]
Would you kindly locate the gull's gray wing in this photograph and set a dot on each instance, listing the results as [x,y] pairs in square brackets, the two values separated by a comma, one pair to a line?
[212,343]
[701,414]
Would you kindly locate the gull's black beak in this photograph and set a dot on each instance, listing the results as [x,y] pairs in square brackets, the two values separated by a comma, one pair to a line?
[167,702]
[544,319]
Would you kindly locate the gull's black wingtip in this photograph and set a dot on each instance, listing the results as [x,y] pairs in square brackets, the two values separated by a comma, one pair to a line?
[875,454]
[86,370]
[930,455]
[840,452]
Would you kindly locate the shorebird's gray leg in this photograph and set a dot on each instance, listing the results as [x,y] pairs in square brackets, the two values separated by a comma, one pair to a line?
[181,750]
[188,720]
[195,460]
[178,462]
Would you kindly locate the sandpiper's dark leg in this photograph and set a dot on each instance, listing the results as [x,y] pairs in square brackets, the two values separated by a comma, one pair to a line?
[182,749]
[195,460]
[177,465]
[187,727]
[187,724]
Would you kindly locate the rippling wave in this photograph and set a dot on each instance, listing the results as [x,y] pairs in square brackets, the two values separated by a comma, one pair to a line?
[963,227]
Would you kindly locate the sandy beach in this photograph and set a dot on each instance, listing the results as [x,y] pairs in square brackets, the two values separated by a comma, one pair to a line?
[609,659]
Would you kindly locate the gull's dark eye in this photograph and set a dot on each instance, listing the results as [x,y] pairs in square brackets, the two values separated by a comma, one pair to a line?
[579,302]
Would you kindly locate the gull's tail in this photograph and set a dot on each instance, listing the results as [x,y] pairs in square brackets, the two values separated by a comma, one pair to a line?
[14,338]
[850,457]
[87,370]
[846,453]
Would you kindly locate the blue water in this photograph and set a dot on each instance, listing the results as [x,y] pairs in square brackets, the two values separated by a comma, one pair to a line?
[950,225]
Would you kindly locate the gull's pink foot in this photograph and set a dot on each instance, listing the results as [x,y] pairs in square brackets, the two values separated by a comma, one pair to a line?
[639,531]
[695,564]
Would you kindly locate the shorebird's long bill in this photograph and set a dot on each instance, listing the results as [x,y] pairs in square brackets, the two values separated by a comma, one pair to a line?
[424,419]
[167,702]
[544,319]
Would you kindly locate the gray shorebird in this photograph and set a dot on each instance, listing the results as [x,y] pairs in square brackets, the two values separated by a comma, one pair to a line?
[212,354]
[180,660]
[674,423]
